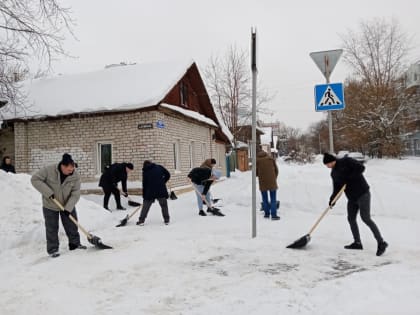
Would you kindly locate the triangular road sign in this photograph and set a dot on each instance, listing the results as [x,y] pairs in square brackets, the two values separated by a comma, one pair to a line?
[326,60]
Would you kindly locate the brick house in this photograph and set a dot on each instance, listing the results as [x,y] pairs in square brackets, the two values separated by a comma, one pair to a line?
[160,112]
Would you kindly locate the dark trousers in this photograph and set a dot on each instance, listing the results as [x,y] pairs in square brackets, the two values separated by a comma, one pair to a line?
[163,202]
[51,227]
[362,204]
[111,190]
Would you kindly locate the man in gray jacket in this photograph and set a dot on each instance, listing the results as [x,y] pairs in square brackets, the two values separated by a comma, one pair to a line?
[61,182]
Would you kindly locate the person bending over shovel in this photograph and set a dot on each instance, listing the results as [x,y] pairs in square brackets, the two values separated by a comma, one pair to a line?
[201,179]
[61,182]
[109,180]
[349,171]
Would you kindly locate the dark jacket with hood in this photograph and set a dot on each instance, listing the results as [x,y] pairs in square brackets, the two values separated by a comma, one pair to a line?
[155,177]
[349,171]
[7,167]
[112,175]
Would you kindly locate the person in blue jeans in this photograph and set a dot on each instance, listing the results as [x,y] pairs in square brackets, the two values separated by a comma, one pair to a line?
[267,172]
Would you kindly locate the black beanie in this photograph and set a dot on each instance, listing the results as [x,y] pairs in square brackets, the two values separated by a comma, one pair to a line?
[67,159]
[328,158]
[129,165]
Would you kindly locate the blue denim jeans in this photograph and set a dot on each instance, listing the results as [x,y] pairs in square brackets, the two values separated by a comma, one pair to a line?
[270,207]
[200,188]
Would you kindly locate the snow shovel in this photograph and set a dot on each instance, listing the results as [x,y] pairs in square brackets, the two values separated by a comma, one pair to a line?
[130,201]
[214,210]
[305,239]
[128,217]
[91,238]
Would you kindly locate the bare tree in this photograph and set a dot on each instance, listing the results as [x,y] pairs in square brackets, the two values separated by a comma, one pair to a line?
[228,81]
[377,103]
[29,30]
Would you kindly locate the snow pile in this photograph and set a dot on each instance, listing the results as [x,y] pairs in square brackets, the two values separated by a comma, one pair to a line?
[207,265]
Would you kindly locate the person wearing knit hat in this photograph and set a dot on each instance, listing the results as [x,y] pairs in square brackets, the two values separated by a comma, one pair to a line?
[328,158]
[349,172]
[67,192]
[112,175]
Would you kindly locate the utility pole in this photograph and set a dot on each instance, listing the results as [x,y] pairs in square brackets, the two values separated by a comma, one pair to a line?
[254,128]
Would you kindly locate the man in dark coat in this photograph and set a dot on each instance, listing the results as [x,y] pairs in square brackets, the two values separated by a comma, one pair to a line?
[155,177]
[267,172]
[7,165]
[348,171]
[109,180]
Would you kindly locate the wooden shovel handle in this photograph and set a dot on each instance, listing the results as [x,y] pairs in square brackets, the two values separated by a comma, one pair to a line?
[72,218]
[134,212]
[326,210]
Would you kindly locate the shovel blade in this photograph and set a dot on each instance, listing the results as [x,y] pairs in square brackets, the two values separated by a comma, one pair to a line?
[300,243]
[94,240]
[123,221]
[133,203]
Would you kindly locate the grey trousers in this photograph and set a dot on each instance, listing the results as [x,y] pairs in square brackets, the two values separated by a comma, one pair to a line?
[51,227]
[362,204]
[163,202]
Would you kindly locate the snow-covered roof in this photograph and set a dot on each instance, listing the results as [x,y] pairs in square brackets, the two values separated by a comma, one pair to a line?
[190,113]
[113,89]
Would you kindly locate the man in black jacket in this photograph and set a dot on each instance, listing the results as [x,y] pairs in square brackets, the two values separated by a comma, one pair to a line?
[7,165]
[155,177]
[347,171]
[109,180]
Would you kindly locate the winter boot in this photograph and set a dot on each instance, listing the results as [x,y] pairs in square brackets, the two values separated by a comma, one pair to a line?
[121,208]
[202,213]
[73,246]
[354,245]
[54,254]
[381,248]
[275,218]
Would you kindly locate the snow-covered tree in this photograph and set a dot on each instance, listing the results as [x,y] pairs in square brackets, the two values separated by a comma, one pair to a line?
[228,81]
[377,102]
[30,30]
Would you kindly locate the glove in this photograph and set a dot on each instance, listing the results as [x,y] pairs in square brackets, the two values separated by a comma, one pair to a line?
[66,213]
[125,194]
[51,197]
[331,203]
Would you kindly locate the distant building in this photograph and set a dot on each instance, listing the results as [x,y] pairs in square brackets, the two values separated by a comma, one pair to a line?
[158,111]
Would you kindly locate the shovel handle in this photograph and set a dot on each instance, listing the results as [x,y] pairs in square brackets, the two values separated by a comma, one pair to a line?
[72,218]
[134,212]
[326,210]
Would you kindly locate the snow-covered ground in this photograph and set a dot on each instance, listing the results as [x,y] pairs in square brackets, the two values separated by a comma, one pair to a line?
[212,265]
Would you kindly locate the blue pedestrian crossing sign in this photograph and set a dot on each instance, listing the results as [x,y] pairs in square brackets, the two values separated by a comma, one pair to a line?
[329,97]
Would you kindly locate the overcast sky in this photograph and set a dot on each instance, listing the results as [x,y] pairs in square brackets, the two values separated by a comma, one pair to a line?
[287,31]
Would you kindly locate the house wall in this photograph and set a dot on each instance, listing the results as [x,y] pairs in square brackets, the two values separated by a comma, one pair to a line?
[7,143]
[38,143]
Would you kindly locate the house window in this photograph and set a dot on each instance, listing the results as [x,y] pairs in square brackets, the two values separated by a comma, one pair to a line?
[183,90]
[104,156]
[192,154]
[176,152]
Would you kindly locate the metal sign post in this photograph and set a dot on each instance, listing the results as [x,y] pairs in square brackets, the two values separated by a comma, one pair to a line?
[326,61]
[254,128]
